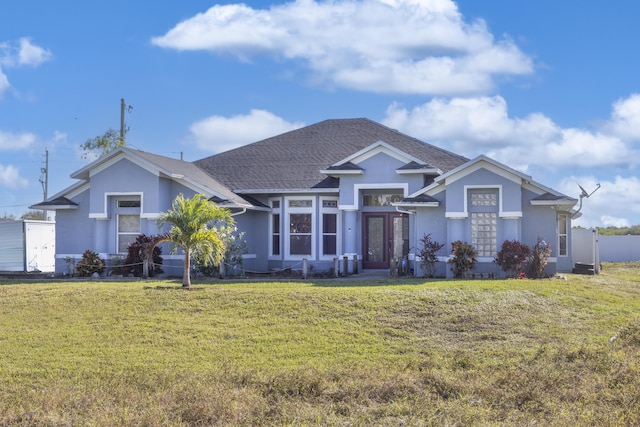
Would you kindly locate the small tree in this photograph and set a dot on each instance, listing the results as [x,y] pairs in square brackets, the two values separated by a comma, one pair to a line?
[512,257]
[540,258]
[137,253]
[193,228]
[89,263]
[429,254]
[102,144]
[464,258]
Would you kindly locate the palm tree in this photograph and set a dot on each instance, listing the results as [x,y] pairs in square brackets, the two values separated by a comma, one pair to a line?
[192,230]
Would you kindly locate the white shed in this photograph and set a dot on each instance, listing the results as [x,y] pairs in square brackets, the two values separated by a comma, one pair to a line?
[27,246]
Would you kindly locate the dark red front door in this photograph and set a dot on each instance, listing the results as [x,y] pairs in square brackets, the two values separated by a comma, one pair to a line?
[385,236]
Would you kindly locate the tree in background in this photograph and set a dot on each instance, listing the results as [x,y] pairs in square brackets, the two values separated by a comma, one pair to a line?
[194,228]
[37,215]
[102,144]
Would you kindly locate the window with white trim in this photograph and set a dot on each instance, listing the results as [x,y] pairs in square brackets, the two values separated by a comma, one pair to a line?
[329,224]
[128,226]
[128,231]
[275,232]
[562,234]
[300,221]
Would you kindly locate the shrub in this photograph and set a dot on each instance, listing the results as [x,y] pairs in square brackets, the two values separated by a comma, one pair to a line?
[429,255]
[89,263]
[235,247]
[464,258]
[539,258]
[136,255]
[513,257]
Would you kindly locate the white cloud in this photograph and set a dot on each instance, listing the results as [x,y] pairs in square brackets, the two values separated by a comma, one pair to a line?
[473,126]
[22,53]
[4,83]
[16,141]
[32,55]
[217,134]
[386,46]
[625,118]
[10,177]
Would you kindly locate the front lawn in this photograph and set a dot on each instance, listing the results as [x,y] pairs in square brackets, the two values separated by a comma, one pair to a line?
[325,352]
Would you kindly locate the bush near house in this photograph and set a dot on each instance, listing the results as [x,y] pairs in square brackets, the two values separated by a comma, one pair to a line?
[464,258]
[429,255]
[133,263]
[512,257]
[540,258]
[89,263]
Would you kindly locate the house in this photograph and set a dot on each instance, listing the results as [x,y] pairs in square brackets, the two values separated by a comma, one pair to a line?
[27,246]
[348,188]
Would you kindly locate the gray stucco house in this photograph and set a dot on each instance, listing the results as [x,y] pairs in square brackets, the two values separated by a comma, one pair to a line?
[339,188]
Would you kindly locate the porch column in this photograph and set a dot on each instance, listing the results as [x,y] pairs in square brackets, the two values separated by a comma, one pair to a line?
[101,237]
[350,232]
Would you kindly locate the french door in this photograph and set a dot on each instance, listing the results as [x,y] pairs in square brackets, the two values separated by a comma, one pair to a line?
[385,236]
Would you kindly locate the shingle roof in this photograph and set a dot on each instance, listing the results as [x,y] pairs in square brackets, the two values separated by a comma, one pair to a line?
[193,173]
[293,160]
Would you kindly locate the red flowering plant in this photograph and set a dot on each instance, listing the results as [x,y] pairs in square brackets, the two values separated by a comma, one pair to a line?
[429,254]
[512,258]
[540,258]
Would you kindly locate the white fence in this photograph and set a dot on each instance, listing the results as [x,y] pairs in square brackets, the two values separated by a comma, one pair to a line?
[619,248]
[589,247]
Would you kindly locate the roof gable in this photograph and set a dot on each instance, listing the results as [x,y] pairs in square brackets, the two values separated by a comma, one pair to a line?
[483,162]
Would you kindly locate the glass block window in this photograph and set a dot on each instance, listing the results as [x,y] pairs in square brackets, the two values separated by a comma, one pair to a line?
[484,235]
[484,199]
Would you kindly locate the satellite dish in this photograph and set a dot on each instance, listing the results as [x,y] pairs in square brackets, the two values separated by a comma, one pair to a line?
[584,192]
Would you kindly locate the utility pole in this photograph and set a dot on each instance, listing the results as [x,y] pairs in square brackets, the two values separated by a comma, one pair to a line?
[45,181]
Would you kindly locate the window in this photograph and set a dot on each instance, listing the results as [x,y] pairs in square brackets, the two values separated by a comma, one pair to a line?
[484,221]
[300,223]
[381,199]
[128,203]
[484,233]
[128,230]
[300,234]
[329,227]
[275,228]
[562,235]
[484,199]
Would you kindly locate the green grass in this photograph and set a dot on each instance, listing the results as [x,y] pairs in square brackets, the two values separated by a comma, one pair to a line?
[328,352]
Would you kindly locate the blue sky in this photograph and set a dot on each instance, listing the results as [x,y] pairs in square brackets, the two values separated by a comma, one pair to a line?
[550,88]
